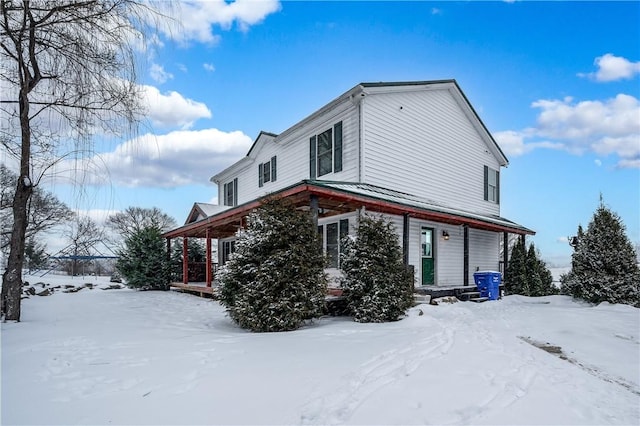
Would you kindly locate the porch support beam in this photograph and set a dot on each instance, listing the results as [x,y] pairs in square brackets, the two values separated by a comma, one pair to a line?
[209,260]
[313,204]
[169,256]
[405,239]
[465,268]
[185,260]
[505,252]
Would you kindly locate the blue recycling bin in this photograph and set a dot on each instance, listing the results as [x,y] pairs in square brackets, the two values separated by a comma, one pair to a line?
[488,283]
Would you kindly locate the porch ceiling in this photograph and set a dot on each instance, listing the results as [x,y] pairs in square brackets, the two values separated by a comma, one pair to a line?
[343,197]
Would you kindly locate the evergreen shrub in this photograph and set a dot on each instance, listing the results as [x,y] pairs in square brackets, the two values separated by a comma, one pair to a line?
[377,284]
[275,280]
[527,274]
[604,264]
[142,262]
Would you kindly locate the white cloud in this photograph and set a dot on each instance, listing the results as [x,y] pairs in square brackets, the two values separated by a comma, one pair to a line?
[633,163]
[613,68]
[609,127]
[564,240]
[597,162]
[209,67]
[175,159]
[513,143]
[436,11]
[172,109]
[158,73]
[197,18]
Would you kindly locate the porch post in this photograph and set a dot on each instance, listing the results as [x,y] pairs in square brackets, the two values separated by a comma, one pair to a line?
[313,204]
[466,255]
[185,260]
[505,251]
[208,265]
[169,258]
[405,239]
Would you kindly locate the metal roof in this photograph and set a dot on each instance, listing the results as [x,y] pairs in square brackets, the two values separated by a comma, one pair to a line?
[403,198]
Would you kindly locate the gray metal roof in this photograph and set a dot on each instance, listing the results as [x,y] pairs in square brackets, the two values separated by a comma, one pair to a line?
[410,200]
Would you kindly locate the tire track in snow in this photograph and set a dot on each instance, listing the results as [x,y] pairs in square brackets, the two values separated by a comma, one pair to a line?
[338,406]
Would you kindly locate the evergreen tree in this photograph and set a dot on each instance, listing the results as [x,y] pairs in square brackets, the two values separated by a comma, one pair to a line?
[377,285]
[526,273]
[540,279]
[516,274]
[275,280]
[142,262]
[604,263]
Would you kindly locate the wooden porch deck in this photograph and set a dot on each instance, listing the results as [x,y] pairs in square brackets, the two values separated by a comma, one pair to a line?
[199,288]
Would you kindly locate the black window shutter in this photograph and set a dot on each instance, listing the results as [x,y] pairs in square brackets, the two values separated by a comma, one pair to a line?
[497,187]
[337,147]
[312,158]
[235,192]
[486,183]
[274,175]
[260,182]
[224,195]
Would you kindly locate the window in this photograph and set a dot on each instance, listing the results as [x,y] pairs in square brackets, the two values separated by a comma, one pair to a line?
[267,172]
[491,185]
[325,152]
[331,243]
[228,248]
[230,193]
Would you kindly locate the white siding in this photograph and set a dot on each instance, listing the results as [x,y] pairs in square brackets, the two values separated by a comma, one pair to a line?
[449,254]
[292,153]
[484,251]
[421,142]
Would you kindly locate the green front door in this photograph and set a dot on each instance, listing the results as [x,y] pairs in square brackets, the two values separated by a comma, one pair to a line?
[426,244]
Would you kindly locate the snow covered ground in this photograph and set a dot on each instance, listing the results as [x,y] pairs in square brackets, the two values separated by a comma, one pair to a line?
[125,357]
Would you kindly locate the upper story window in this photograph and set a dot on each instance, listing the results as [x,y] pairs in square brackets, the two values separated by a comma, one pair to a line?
[325,152]
[230,193]
[267,172]
[491,185]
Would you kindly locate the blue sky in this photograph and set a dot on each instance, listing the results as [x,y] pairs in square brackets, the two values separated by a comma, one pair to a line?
[557,83]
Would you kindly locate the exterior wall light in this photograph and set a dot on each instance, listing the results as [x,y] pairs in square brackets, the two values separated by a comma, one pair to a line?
[445,235]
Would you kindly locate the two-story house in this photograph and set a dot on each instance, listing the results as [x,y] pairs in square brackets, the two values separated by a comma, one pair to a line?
[416,152]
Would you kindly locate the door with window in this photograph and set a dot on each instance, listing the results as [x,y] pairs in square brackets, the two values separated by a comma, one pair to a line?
[427,254]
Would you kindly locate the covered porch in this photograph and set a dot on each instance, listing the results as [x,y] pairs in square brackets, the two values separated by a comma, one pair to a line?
[325,199]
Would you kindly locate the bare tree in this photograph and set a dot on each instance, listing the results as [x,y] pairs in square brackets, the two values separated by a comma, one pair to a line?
[134,219]
[67,72]
[44,210]
[83,235]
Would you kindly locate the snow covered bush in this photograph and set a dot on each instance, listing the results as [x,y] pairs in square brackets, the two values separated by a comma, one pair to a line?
[604,263]
[377,284]
[527,274]
[142,262]
[275,280]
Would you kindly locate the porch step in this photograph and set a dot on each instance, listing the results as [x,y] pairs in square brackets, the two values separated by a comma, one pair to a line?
[468,295]
[421,298]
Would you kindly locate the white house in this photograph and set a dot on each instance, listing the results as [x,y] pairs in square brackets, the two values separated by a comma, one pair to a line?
[415,151]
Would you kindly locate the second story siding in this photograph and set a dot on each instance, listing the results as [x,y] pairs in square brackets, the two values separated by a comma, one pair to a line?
[422,142]
[291,153]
